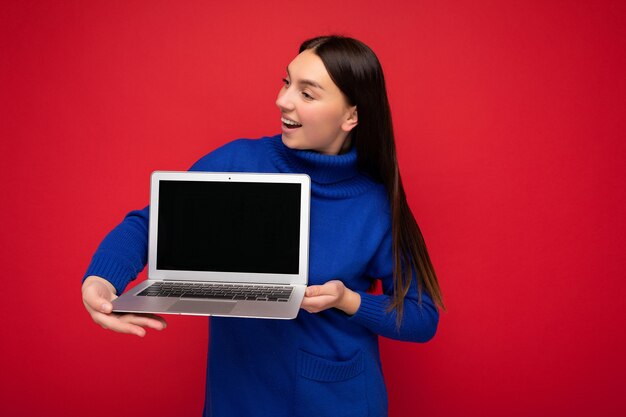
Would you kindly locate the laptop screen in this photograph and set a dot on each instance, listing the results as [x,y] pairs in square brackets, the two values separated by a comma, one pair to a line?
[228,226]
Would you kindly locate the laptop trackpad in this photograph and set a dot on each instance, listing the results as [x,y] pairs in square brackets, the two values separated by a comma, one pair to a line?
[202,307]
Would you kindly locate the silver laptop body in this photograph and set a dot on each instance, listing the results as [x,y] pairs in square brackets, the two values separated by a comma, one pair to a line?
[225,244]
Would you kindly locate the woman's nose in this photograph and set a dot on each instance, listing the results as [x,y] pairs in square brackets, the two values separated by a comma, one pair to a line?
[283,101]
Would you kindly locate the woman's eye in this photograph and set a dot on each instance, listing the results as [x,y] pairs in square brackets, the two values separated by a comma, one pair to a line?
[285,81]
[307,96]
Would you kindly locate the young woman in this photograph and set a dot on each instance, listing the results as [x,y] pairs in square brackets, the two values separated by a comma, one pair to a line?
[336,127]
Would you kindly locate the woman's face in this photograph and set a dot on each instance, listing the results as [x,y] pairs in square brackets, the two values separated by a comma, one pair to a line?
[315,113]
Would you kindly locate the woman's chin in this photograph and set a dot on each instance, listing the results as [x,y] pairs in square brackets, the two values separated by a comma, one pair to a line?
[290,142]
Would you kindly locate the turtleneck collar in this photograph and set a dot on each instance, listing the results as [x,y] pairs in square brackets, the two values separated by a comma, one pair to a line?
[331,175]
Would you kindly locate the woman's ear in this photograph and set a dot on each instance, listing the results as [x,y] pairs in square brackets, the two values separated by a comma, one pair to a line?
[352,120]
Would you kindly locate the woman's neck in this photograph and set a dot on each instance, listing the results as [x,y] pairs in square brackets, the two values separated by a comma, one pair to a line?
[335,176]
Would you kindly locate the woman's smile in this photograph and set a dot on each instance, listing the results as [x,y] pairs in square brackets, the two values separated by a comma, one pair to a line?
[289,124]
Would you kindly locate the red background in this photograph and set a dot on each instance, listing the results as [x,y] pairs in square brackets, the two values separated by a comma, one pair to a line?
[510,124]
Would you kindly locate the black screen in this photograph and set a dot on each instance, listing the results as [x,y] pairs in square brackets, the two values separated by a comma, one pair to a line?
[229,227]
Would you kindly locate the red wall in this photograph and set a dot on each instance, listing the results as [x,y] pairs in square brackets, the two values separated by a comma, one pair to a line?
[510,123]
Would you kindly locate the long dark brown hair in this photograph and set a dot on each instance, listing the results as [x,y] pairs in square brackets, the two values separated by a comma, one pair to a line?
[355,69]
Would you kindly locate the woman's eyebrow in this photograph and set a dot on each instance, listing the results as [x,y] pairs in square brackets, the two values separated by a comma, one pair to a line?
[307,82]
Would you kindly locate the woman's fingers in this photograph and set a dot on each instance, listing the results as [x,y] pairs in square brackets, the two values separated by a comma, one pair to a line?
[322,297]
[98,297]
[112,322]
[145,320]
[128,323]
[318,303]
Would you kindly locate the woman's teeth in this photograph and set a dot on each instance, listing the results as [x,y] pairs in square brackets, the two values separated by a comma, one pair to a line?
[290,123]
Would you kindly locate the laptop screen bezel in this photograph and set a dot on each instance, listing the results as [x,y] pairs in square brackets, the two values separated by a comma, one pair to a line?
[213,276]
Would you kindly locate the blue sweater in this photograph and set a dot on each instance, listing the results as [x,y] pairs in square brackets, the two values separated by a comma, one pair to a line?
[323,364]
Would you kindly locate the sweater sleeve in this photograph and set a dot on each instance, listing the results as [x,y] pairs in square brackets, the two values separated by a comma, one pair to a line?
[123,253]
[419,319]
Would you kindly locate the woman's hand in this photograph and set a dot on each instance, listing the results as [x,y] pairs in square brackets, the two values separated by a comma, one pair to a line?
[97,296]
[332,294]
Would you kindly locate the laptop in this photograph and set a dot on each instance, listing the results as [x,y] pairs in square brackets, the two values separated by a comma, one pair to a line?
[225,244]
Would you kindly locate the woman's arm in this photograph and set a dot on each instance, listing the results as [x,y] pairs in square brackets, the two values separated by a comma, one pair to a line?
[419,319]
[123,253]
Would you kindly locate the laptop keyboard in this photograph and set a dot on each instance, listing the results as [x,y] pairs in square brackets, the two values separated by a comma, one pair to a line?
[218,291]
